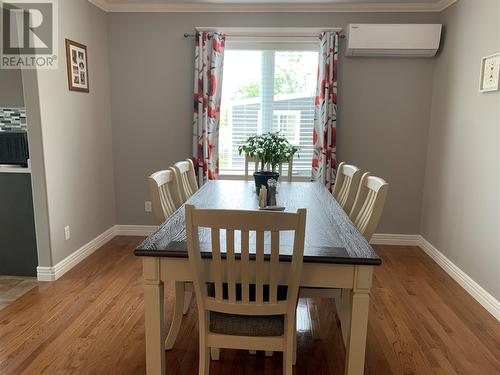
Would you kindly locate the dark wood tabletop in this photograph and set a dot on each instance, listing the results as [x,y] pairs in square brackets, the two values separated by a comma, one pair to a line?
[331,237]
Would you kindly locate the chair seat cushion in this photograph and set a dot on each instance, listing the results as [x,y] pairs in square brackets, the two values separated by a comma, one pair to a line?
[244,325]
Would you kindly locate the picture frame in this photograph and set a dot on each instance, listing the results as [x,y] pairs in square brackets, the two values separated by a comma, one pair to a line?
[77,66]
[490,73]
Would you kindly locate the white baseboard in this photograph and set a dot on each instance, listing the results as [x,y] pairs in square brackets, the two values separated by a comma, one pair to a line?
[134,230]
[395,239]
[490,303]
[55,272]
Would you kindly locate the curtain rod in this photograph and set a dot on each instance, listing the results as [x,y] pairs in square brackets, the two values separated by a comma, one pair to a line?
[341,36]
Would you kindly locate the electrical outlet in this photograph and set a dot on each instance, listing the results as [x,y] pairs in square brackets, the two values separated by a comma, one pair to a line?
[67,233]
[147,206]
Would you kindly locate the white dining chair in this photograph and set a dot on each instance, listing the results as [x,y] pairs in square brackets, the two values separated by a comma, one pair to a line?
[165,195]
[187,178]
[365,215]
[251,160]
[246,299]
[165,200]
[344,192]
[346,185]
[369,204]
[255,161]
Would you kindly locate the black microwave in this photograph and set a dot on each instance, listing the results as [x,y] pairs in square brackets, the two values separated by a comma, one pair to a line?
[14,148]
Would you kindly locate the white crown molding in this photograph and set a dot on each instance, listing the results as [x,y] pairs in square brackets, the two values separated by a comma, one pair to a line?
[304,7]
[102,4]
[443,4]
[55,272]
[269,31]
[490,303]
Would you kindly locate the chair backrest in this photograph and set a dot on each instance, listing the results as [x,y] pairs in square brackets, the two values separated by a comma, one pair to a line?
[255,160]
[241,267]
[187,178]
[290,170]
[164,192]
[346,185]
[369,204]
[248,160]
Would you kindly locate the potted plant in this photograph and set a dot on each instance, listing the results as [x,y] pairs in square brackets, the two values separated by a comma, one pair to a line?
[270,149]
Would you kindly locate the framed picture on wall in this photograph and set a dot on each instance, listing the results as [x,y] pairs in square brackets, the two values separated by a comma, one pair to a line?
[77,65]
[490,73]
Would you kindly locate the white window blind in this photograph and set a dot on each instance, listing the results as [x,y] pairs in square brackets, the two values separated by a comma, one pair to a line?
[267,89]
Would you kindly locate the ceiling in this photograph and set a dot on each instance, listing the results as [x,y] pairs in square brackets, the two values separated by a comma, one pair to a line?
[273,5]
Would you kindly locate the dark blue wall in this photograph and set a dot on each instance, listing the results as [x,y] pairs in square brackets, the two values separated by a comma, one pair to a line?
[18,256]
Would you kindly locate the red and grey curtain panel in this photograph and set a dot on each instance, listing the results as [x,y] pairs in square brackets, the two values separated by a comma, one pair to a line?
[324,162]
[209,61]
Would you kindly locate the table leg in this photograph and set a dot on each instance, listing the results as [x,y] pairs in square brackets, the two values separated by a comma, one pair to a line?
[154,317]
[356,338]
[188,296]
[344,310]
[177,318]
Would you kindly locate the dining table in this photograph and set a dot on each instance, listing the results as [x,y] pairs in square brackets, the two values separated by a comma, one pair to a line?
[337,258]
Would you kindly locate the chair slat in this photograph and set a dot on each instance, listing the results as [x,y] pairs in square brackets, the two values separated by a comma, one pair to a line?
[231,266]
[216,259]
[344,191]
[168,200]
[274,277]
[366,211]
[259,276]
[245,263]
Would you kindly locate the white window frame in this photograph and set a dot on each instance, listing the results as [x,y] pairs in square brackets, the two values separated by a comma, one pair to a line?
[271,38]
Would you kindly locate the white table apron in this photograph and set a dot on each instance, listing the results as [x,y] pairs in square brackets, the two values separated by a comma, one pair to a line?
[354,280]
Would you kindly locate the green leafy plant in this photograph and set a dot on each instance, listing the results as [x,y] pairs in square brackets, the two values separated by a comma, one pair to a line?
[270,148]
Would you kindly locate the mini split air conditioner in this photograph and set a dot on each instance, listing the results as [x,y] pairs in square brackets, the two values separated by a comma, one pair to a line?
[393,40]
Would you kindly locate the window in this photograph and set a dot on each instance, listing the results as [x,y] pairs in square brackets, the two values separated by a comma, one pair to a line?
[288,123]
[267,90]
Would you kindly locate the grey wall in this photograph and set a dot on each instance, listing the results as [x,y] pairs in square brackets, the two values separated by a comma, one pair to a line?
[11,88]
[38,180]
[461,206]
[384,105]
[76,136]
[18,256]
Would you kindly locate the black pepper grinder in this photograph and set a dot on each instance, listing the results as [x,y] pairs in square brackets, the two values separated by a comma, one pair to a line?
[271,192]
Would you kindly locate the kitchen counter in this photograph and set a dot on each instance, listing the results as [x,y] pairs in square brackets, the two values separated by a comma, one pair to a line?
[14,169]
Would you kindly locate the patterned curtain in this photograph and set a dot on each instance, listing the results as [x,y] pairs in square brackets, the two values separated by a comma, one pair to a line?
[324,162]
[209,60]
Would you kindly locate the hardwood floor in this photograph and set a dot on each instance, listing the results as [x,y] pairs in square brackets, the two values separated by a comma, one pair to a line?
[91,322]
